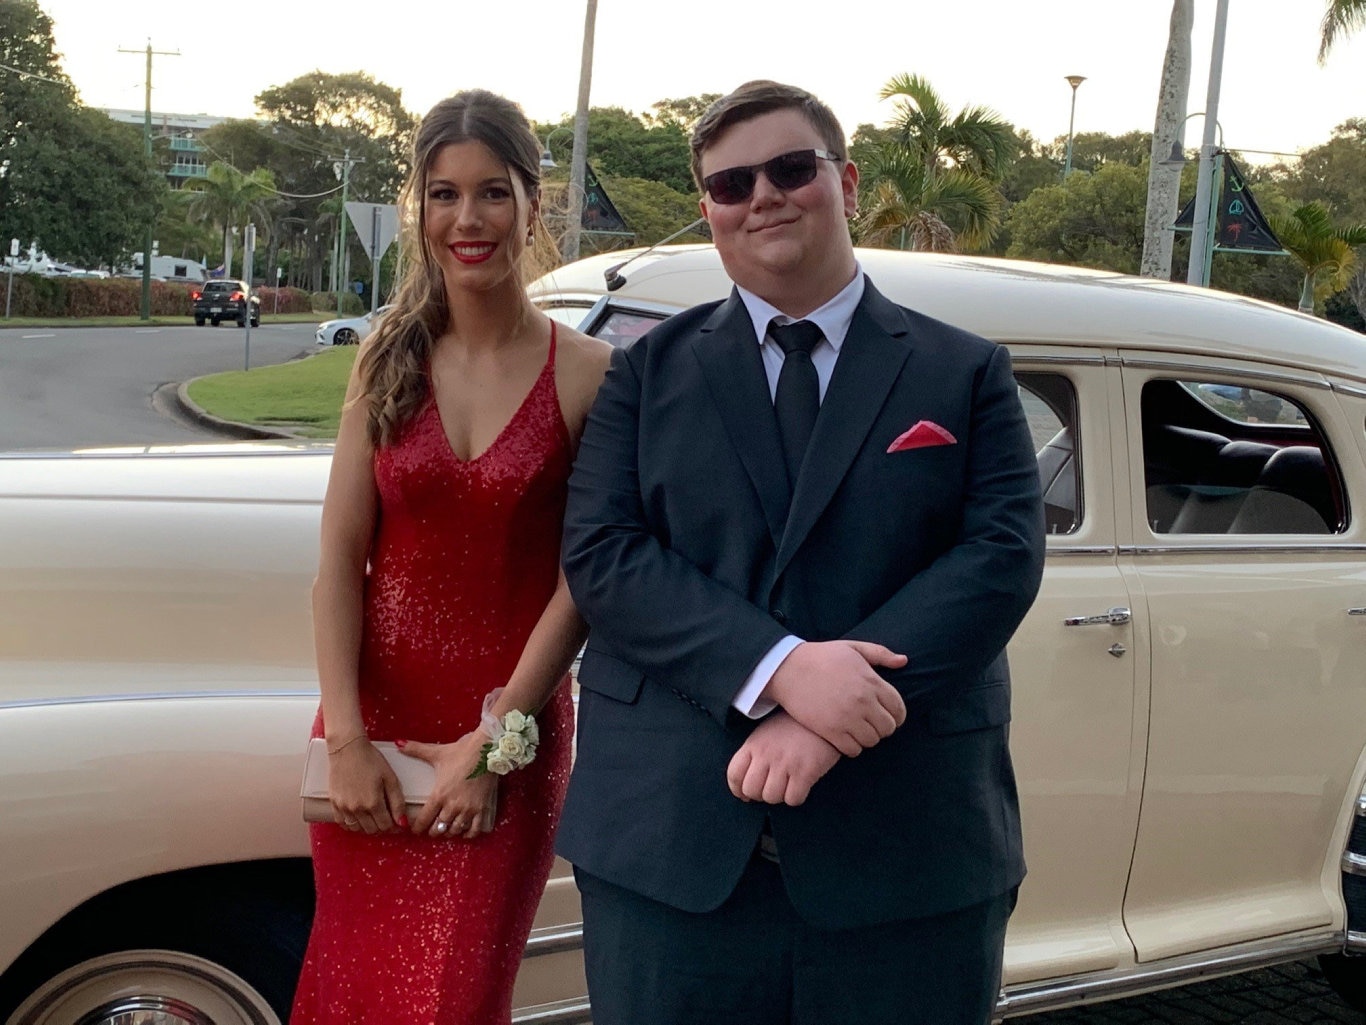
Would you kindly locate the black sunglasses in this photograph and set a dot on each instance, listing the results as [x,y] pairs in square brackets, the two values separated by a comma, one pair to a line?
[786,171]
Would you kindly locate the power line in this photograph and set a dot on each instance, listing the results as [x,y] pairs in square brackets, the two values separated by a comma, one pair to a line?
[31,74]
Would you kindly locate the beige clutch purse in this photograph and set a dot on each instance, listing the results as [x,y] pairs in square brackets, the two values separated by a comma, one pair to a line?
[414,775]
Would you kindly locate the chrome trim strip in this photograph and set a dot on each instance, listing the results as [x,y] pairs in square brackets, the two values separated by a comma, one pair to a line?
[1217,549]
[1355,943]
[1354,864]
[1287,376]
[564,1012]
[555,939]
[249,450]
[1081,550]
[1031,998]
[103,699]
[1348,389]
[1023,360]
[177,499]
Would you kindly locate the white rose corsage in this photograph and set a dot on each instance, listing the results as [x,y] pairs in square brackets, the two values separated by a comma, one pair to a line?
[512,741]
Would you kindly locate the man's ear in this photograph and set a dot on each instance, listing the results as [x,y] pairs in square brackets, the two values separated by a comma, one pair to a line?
[849,185]
[702,206]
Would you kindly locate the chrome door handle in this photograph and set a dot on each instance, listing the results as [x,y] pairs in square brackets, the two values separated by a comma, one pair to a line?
[1357,612]
[1117,616]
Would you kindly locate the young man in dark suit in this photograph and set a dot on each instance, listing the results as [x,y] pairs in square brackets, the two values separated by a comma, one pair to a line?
[803,524]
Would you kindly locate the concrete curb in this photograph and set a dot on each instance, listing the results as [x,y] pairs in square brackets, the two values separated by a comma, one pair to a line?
[176,399]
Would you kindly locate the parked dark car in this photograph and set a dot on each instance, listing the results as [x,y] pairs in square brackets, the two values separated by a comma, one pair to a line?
[224,300]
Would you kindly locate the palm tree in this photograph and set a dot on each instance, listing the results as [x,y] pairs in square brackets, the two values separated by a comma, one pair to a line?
[1164,176]
[226,197]
[934,167]
[1342,17]
[1320,248]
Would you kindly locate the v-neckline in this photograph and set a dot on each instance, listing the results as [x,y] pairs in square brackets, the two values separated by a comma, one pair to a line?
[521,406]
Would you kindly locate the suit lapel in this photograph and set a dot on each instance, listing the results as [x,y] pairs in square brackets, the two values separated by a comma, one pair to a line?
[734,371]
[870,360]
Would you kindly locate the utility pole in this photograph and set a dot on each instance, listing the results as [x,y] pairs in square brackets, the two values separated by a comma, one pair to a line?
[146,313]
[579,160]
[1202,241]
[337,272]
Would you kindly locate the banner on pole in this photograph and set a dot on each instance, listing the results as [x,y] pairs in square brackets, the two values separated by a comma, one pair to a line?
[599,214]
[1241,227]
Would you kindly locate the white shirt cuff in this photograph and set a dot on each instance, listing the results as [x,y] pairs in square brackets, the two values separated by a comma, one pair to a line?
[750,700]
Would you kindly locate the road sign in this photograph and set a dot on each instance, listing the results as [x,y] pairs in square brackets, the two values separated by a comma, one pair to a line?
[376,226]
[14,247]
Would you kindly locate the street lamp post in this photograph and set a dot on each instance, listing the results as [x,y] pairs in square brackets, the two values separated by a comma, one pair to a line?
[1178,159]
[547,157]
[1073,81]
[1197,273]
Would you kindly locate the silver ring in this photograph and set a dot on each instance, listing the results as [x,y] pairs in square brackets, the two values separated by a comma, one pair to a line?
[441,827]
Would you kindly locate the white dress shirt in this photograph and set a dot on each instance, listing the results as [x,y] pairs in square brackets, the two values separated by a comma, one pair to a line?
[833,319]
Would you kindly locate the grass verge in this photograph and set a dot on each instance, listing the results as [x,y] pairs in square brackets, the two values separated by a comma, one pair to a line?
[304,396]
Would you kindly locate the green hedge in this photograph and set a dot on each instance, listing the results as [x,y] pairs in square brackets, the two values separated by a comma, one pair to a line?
[290,300]
[38,296]
[351,304]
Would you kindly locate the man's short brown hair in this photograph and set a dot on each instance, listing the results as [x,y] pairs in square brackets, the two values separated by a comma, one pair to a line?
[762,97]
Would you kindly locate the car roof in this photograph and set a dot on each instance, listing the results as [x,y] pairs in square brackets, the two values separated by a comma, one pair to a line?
[1009,301]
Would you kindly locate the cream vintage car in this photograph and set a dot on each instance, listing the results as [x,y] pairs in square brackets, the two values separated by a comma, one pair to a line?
[1190,687]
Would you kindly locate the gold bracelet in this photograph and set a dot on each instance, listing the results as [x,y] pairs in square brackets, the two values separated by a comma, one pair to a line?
[345,744]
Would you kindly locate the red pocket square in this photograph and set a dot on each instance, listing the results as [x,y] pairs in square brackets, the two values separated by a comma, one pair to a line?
[923,435]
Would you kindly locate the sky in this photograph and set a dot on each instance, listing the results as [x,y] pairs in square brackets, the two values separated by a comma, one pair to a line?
[1004,54]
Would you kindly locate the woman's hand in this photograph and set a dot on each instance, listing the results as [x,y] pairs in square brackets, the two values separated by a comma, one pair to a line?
[366,796]
[458,806]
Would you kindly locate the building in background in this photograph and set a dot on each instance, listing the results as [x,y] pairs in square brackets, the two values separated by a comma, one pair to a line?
[188,160]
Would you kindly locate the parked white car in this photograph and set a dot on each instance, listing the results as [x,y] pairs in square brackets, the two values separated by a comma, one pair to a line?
[349,330]
[1190,687]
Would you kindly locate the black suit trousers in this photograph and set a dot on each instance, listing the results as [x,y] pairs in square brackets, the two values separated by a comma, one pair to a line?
[754,961]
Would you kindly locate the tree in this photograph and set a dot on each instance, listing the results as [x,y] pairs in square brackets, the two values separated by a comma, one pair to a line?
[1164,179]
[72,181]
[1090,220]
[1341,17]
[313,124]
[622,145]
[226,197]
[685,112]
[1323,250]
[932,179]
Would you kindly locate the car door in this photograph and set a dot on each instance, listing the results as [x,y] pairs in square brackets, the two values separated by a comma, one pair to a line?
[1248,488]
[1078,716]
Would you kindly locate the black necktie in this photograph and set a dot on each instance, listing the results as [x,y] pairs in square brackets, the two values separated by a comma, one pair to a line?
[798,398]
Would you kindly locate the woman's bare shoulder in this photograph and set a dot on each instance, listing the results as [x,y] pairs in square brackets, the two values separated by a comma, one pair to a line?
[581,364]
[583,358]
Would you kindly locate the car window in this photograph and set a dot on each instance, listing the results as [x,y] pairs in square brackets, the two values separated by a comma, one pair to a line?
[621,327]
[1223,458]
[1246,405]
[1050,405]
[568,314]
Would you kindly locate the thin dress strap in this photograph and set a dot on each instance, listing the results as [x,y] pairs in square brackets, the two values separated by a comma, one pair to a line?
[551,358]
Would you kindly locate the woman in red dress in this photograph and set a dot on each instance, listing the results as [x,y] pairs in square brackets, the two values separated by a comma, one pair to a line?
[438,582]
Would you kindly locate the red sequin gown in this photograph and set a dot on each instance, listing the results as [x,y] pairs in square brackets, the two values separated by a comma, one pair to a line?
[416,930]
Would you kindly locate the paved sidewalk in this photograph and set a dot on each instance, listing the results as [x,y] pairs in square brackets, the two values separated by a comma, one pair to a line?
[1290,994]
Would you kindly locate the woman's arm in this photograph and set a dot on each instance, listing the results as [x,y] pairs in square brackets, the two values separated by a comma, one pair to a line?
[364,789]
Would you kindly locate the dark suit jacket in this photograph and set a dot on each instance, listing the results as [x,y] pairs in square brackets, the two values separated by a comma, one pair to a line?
[690,560]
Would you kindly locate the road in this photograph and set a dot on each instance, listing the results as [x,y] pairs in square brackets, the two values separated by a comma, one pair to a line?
[63,388]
